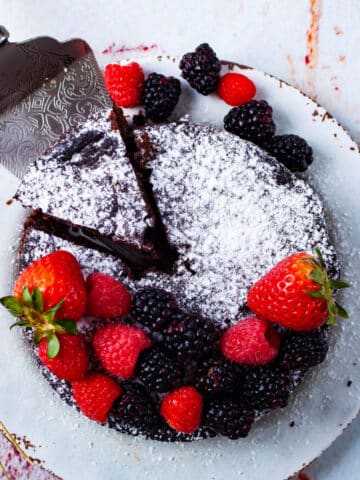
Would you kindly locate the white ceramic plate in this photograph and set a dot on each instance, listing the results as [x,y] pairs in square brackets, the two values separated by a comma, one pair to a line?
[73,446]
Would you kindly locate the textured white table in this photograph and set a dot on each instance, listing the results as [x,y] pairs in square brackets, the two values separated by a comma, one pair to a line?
[312,44]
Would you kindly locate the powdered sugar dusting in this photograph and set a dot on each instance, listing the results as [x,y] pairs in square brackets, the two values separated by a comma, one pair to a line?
[231,210]
[87,179]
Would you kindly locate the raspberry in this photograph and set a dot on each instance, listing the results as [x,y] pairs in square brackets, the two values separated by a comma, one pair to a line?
[118,347]
[71,363]
[95,395]
[153,308]
[182,409]
[124,83]
[228,418]
[236,89]
[215,376]
[301,351]
[252,341]
[266,387]
[201,69]
[292,151]
[159,372]
[135,409]
[252,121]
[189,336]
[160,96]
[107,298]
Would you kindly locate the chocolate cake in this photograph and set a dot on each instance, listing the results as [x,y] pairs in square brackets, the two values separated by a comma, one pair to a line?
[231,210]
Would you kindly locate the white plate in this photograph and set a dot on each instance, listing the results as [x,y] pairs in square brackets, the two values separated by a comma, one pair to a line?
[322,406]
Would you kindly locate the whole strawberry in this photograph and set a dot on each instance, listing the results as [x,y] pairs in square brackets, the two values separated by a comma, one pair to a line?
[252,341]
[49,296]
[297,293]
[124,83]
[72,361]
[182,409]
[95,395]
[118,347]
[107,298]
[58,277]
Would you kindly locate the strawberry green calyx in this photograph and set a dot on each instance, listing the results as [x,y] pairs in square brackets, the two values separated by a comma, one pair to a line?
[327,286]
[30,311]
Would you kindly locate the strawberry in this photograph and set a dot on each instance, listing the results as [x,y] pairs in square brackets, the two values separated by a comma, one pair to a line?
[72,361]
[252,341]
[118,347]
[49,295]
[107,298]
[182,409]
[124,83]
[297,293]
[236,89]
[58,277]
[95,395]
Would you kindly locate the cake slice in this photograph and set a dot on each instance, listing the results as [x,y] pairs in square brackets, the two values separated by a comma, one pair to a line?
[85,189]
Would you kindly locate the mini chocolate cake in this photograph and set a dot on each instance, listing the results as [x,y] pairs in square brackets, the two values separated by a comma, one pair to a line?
[232,212]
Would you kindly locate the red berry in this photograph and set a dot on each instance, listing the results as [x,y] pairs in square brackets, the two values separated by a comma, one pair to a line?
[71,363]
[182,409]
[236,89]
[107,298]
[252,341]
[58,277]
[297,293]
[124,83]
[95,395]
[118,347]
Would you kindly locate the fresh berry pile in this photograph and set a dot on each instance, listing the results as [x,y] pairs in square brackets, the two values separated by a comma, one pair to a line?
[170,374]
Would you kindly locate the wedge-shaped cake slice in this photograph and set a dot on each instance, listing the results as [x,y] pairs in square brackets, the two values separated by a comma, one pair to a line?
[85,189]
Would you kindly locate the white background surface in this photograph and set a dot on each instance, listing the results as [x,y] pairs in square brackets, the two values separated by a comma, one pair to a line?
[270,35]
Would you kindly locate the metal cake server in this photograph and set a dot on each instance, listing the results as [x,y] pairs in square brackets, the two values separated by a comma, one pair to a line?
[46,87]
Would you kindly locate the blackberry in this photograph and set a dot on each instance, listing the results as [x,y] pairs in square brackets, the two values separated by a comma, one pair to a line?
[301,351]
[201,69]
[190,337]
[215,376]
[135,410]
[252,121]
[159,372]
[266,387]
[160,96]
[228,418]
[292,151]
[152,308]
